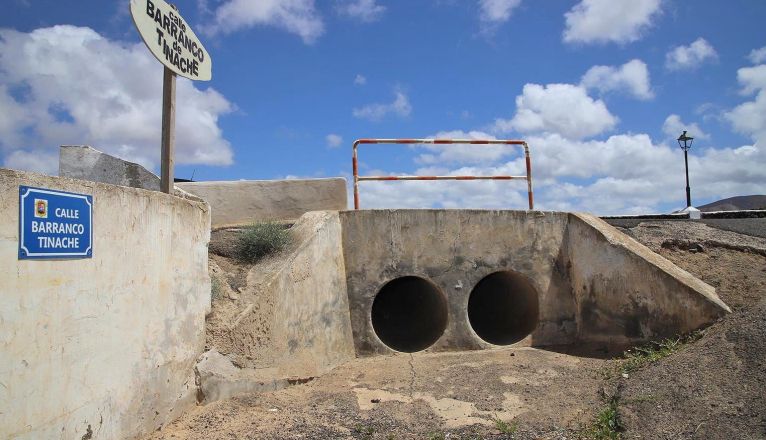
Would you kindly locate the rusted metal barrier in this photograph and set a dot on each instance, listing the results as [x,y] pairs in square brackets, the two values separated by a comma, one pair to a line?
[358,178]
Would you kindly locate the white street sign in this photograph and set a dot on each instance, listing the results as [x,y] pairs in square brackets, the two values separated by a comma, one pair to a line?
[171,40]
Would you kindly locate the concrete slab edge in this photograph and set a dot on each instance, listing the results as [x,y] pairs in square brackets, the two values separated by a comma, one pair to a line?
[617,238]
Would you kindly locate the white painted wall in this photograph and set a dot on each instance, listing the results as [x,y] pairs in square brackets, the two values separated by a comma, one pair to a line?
[102,348]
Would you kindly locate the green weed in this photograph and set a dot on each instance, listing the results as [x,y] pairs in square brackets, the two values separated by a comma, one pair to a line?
[607,425]
[505,427]
[638,357]
[262,239]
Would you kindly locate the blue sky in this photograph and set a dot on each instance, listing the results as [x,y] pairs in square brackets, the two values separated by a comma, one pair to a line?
[599,88]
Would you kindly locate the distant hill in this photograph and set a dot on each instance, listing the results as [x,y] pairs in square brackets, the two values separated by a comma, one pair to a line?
[735,204]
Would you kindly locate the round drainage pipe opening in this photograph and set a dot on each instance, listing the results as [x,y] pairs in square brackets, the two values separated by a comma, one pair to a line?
[503,308]
[409,314]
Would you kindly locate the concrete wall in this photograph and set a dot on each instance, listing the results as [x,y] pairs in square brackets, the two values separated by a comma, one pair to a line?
[298,324]
[594,284]
[455,249]
[627,293]
[86,163]
[232,202]
[312,329]
[102,348]
[247,201]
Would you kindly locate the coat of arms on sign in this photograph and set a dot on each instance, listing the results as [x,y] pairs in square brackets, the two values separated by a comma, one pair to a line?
[41,208]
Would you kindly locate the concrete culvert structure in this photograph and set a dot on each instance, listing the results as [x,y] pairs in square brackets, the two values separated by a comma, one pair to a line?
[503,308]
[409,314]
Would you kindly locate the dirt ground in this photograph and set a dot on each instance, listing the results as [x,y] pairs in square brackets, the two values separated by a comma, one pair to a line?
[714,388]
[238,325]
[414,396]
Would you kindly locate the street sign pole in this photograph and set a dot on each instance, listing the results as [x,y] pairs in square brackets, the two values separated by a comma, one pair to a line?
[172,41]
[168,130]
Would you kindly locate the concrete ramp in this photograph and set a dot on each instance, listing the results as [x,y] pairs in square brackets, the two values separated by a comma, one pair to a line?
[461,279]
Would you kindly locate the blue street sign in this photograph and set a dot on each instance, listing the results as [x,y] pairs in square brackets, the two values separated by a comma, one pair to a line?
[54,224]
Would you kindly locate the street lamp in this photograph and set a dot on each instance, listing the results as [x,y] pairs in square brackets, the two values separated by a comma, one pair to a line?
[685,142]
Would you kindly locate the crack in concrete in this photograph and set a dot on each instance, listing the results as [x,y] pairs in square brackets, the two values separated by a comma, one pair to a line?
[412,375]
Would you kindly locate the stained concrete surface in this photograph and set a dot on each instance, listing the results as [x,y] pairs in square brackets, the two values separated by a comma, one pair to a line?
[593,284]
[626,293]
[286,317]
[455,250]
[102,348]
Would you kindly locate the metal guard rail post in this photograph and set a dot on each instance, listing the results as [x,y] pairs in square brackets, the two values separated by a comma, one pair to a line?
[358,178]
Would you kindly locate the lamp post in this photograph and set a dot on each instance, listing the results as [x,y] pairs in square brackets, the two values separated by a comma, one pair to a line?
[685,142]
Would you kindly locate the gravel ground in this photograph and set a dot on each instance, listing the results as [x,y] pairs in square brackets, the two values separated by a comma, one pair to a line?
[755,227]
[539,394]
[714,388]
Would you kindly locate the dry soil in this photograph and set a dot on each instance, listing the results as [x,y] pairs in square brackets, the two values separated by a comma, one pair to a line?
[714,388]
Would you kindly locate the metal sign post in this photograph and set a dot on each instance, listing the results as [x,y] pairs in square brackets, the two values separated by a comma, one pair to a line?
[174,44]
[168,130]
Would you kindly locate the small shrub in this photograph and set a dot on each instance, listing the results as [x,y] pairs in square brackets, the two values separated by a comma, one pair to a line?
[654,351]
[607,425]
[505,427]
[260,240]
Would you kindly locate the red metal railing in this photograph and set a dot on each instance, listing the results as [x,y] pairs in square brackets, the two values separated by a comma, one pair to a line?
[358,178]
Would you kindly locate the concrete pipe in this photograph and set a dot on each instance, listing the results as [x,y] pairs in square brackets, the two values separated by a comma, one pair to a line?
[503,308]
[409,314]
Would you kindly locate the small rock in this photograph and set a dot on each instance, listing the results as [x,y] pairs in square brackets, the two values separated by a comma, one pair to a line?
[696,247]
[375,400]
[625,375]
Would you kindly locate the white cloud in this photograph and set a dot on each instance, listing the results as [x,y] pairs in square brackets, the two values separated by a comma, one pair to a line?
[691,56]
[375,112]
[46,103]
[497,11]
[752,78]
[41,161]
[757,56]
[442,194]
[462,153]
[363,10]
[565,109]
[673,127]
[602,21]
[623,174]
[334,140]
[360,80]
[626,173]
[299,17]
[749,118]
[632,78]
